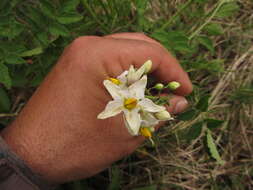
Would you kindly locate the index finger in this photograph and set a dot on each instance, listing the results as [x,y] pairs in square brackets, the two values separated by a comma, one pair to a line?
[165,68]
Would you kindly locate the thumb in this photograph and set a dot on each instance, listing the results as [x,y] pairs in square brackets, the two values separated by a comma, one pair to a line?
[177,104]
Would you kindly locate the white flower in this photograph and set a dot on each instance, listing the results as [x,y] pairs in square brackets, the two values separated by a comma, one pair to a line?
[131,101]
[132,75]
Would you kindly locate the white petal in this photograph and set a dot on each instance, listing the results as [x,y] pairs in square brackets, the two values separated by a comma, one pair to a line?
[137,89]
[123,77]
[147,105]
[131,75]
[133,121]
[112,108]
[113,89]
[148,119]
[140,71]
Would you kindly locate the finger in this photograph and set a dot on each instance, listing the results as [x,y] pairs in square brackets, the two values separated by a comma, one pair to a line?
[133,36]
[166,67]
[177,104]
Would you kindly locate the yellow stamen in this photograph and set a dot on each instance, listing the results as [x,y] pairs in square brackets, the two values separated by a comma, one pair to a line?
[145,132]
[130,103]
[115,81]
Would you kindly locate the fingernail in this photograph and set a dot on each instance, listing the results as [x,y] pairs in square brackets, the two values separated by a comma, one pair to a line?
[180,106]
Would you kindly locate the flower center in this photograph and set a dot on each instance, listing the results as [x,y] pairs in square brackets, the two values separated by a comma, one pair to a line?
[144,131]
[130,103]
[115,81]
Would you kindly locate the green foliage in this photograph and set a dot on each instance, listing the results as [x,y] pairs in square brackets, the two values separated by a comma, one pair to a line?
[213,123]
[5,76]
[203,103]
[243,94]
[5,103]
[188,115]
[194,131]
[115,180]
[213,148]
[227,9]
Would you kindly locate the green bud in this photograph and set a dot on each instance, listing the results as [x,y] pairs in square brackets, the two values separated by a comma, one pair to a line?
[163,115]
[159,86]
[173,85]
[148,66]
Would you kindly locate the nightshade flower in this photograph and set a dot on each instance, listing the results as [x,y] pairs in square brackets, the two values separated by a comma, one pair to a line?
[131,101]
[132,75]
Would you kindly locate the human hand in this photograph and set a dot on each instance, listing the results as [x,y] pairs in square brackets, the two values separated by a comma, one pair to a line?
[58,133]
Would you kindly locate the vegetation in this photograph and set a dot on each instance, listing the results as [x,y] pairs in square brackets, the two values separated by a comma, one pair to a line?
[207,147]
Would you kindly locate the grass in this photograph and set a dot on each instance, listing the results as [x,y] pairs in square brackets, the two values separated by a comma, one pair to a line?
[213,42]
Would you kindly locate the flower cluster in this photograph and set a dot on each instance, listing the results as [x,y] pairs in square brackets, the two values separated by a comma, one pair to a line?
[141,114]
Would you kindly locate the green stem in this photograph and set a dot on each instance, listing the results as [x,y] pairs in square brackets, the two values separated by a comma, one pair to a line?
[208,20]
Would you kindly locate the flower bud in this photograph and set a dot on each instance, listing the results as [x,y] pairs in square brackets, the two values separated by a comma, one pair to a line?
[148,66]
[159,86]
[173,85]
[163,115]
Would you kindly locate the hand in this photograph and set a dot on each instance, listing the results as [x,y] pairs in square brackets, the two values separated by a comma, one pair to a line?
[58,133]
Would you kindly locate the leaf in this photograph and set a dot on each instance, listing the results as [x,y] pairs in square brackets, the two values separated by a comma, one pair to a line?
[67,5]
[175,41]
[5,76]
[14,59]
[213,149]
[194,131]
[227,9]
[29,53]
[11,30]
[69,18]
[206,42]
[115,182]
[214,29]
[58,30]
[188,115]
[213,123]
[5,103]
[47,8]
[202,104]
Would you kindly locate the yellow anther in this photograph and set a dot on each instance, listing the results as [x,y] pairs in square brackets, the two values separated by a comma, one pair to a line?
[130,103]
[145,132]
[115,81]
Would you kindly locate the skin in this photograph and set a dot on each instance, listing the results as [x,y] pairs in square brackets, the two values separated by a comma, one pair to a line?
[58,134]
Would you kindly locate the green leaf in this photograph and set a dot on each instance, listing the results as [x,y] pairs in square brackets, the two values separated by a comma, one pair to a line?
[212,148]
[206,42]
[29,53]
[213,123]
[67,5]
[69,18]
[227,9]
[58,30]
[194,131]
[151,187]
[214,29]
[47,8]
[5,76]
[14,59]
[11,30]
[203,104]
[115,182]
[175,41]
[216,66]
[5,103]
[188,115]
